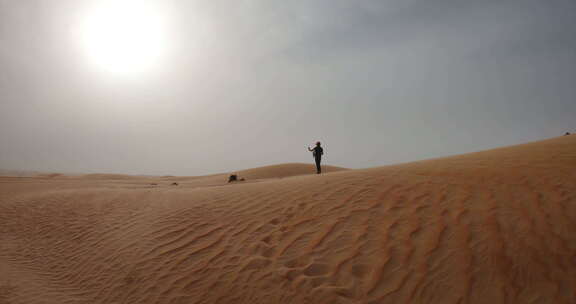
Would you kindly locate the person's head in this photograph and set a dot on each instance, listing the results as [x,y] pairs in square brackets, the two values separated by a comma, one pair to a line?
[318,144]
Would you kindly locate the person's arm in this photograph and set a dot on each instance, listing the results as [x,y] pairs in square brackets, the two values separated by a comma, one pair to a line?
[310,149]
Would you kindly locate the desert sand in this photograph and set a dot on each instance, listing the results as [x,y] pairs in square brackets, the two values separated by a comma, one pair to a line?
[497,226]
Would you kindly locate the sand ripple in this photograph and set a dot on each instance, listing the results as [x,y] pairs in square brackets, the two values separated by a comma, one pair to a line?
[489,227]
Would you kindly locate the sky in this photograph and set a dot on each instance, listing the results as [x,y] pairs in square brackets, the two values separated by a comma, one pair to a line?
[217,86]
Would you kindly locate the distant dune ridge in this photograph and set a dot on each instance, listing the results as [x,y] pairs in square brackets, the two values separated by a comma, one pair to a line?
[497,226]
[285,170]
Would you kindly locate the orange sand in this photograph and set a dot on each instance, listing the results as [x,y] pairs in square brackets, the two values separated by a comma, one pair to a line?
[491,227]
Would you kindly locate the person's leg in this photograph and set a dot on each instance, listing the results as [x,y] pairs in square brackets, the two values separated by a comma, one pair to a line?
[318,169]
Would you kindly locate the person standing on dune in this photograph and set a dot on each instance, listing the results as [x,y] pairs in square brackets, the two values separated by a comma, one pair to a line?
[317,152]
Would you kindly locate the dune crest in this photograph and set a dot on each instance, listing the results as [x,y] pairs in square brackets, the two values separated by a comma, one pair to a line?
[285,170]
[497,226]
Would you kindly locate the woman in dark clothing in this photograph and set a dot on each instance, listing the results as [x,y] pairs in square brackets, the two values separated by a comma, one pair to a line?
[317,152]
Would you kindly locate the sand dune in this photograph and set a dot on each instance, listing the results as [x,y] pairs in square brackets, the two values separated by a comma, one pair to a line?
[497,226]
[285,170]
[104,176]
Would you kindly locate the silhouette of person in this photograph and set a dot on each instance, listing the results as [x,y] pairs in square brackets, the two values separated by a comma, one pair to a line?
[317,152]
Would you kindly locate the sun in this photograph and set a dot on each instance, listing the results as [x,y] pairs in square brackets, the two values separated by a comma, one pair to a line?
[124,36]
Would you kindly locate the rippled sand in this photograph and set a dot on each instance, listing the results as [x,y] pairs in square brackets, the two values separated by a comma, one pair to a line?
[490,227]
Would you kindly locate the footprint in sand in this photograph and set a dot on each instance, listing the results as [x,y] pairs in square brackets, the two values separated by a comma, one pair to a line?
[275,221]
[316,269]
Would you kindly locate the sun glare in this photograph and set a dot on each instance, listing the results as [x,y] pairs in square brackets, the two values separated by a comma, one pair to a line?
[124,36]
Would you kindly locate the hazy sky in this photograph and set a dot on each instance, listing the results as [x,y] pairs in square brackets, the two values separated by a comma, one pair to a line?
[241,84]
